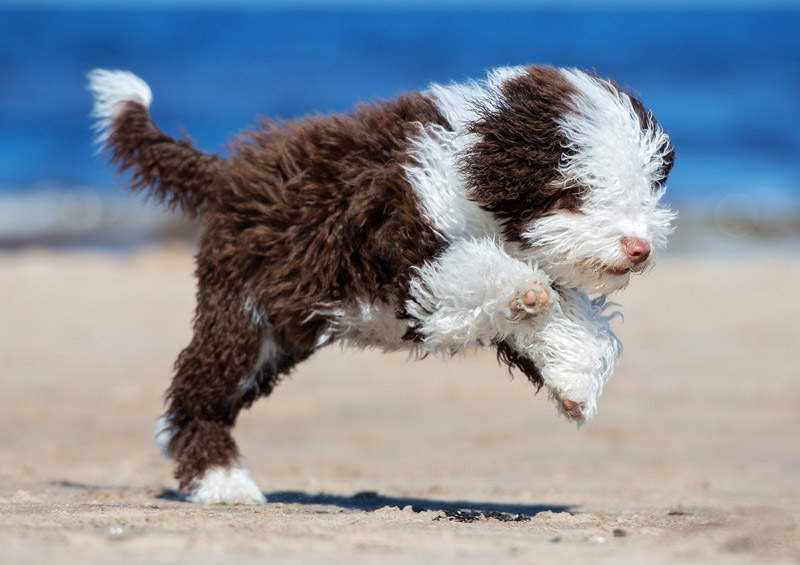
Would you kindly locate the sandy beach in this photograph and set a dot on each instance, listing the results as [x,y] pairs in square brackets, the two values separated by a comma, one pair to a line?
[694,456]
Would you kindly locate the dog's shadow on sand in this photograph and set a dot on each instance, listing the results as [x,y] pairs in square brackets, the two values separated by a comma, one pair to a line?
[369,501]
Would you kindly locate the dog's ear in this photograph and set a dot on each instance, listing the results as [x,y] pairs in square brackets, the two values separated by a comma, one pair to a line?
[512,169]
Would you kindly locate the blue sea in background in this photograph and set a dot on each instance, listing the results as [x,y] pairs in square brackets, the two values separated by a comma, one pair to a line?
[725,83]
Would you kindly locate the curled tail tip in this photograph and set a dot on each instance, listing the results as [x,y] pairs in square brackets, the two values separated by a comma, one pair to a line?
[111,90]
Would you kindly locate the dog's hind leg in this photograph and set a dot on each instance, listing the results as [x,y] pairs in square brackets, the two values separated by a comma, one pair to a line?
[232,359]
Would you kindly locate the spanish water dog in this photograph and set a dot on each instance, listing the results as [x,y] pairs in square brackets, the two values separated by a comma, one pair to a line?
[496,213]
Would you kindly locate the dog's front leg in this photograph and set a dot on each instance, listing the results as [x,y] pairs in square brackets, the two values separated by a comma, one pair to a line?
[574,350]
[475,294]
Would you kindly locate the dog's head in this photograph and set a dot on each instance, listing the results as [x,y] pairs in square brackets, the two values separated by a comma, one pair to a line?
[574,168]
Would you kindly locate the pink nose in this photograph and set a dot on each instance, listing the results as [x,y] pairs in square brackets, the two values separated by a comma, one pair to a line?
[636,249]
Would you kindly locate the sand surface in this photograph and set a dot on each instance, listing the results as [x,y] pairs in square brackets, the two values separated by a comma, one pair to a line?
[693,458]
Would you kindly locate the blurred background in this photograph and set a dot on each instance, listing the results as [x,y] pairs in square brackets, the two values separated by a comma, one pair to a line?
[694,454]
[722,77]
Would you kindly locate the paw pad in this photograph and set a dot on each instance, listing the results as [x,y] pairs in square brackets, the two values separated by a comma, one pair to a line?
[533,301]
[573,410]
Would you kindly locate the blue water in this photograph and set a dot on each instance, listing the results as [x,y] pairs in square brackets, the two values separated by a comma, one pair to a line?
[724,83]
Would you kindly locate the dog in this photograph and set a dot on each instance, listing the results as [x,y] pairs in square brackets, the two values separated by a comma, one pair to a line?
[494,213]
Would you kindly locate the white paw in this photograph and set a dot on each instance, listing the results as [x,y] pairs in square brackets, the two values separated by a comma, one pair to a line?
[535,299]
[226,486]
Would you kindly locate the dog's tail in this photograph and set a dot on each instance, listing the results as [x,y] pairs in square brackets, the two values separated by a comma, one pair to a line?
[173,172]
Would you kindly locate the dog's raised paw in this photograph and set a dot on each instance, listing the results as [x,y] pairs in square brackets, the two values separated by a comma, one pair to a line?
[534,300]
[573,410]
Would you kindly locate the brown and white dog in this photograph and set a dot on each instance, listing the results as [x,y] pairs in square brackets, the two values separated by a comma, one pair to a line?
[477,214]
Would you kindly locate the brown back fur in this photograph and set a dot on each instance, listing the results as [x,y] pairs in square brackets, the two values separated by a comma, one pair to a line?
[319,212]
